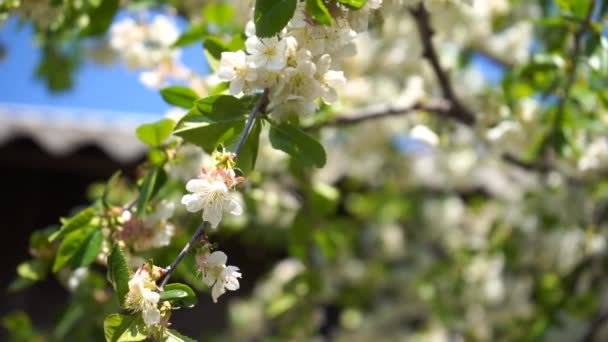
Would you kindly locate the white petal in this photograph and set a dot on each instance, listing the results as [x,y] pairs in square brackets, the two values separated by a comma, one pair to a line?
[151,315]
[217,291]
[208,278]
[217,258]
[193,203]
[213,215]
[236,86]
[197,185]
[234,207]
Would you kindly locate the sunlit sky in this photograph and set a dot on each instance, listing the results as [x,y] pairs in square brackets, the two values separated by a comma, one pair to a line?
[100,87]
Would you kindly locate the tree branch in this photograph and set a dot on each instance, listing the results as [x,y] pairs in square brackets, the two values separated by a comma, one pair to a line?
[383,111]
[259,106]
[426,32]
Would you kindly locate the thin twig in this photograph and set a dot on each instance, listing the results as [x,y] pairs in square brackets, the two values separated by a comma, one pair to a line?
[261,102]
[259,106]
[426,32]
[171,268]
[378,112]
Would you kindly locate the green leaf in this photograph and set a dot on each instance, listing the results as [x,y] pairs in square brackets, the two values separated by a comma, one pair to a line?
[155,133]
[152,183]
[171,335]
[100,18]
[319,11]
[78,221]
[206,133]
[106,191]
[353,4]
[180,295]
[221,107]
[271,16]
[249,152]
[118,273]
[193,34]
[79,247]
[219,13]
[179,96]
[295,142]
[215,46]
[35,269]
[124,328]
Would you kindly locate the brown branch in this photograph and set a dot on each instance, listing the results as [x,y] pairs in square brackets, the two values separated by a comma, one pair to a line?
[378,112]
[426,32]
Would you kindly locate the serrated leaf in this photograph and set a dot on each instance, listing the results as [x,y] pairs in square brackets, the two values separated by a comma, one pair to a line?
[179,96]
[118,273]
[271,16]
[180,295]
[152,183]
[124,328]
[353,4]
[80,248]
[299,145]
[319,11]
[171,335]
[155,133]
[78,221]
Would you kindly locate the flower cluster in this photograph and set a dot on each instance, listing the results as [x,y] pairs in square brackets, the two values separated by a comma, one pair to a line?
[148,45]
[212,191]
[296,65]
[216,274]
[143,296]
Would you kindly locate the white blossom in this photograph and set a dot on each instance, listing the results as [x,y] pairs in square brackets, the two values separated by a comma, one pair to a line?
[143,297]
[211,193]
[217,275]
[267,52]
[235,69]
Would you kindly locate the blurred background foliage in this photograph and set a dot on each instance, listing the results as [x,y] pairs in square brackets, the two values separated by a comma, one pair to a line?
[494,232]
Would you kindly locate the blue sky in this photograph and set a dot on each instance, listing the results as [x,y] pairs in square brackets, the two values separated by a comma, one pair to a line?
[100,87]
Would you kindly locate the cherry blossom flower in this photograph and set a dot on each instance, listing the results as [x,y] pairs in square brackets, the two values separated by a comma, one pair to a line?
[143,296]
[217,275]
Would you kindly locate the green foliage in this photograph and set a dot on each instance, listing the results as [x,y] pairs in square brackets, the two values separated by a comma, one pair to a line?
[79,247]
[153,181]
[180,295]
[124,328]
[319,11]
[179,96]
[219,13]
[76,222]
[154,134]
[353,4]
[118,273]
[302,147]
[215,120]
[101,16]
[249,152]
[271,16]
[171,335]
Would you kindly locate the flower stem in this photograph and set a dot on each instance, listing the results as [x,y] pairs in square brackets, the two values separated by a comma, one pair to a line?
[260,103]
